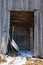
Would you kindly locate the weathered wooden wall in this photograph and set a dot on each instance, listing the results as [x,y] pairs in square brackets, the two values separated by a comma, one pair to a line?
[7,5]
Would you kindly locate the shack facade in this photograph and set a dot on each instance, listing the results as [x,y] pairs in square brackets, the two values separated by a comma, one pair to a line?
[10,9]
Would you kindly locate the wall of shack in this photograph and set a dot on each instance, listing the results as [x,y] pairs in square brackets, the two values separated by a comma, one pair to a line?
[28,5]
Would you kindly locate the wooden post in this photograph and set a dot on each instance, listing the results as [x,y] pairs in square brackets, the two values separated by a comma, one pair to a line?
[36,33]
[0,21]
[31,39]
[41,33]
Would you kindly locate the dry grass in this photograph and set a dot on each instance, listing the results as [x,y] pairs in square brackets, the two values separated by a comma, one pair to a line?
[33,62]
[2,58]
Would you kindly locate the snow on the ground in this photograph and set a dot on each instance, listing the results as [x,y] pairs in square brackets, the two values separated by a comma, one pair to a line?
[20,59]
[26,54]
[14,61]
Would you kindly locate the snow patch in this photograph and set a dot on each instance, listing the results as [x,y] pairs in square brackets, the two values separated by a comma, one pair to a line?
[17,61]
[26,54]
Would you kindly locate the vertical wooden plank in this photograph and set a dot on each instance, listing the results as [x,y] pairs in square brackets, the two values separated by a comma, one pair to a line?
[4,16]
[10,4]
[22,4]
[0,22]
[32,4]
[41,33]
[37,4]
[41,4]
[8,24]
[0,5]
[31,39]
[4,33]
[19,5]
[0,26]
[14,4]
[4,4]
[1,18]
[20,8]
[26,4]
[36,33]
[3,27]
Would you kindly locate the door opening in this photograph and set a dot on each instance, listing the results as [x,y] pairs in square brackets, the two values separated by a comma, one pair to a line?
[23,22]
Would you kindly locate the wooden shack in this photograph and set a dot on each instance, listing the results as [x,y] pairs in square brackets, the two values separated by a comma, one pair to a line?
[27,18]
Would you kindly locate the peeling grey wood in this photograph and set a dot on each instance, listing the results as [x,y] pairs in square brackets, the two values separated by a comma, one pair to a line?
[3,27]
[10,4]
[0,26]
[41,4]
[4,17]
[34,4]
[41,33]
[0,22]
[31,39]
[36,33]
[0,4]
[4,5]
[8,24]
[37,4]
[26,4]
[5,23]
[18,4]
[5,31]
[23,4]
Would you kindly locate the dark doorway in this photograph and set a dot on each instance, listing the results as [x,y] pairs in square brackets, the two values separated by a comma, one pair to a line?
[23,23]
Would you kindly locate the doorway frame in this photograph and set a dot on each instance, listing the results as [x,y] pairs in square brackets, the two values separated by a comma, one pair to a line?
[36,50]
